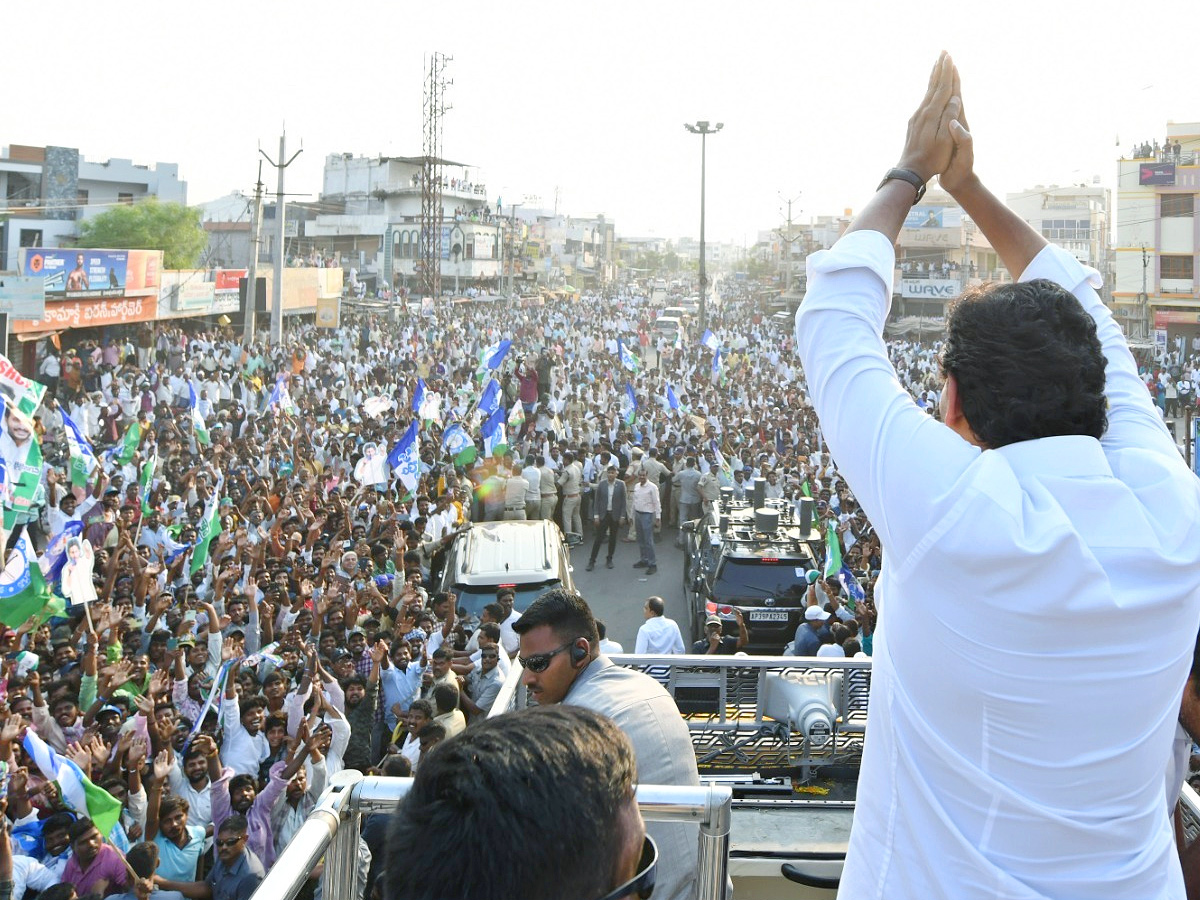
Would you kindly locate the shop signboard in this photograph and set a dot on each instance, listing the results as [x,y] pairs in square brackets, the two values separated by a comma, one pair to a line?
[194,296]
[930,288]
[89,313]
[22,297]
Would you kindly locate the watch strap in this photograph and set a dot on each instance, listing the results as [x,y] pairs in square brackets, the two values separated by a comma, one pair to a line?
[908,175]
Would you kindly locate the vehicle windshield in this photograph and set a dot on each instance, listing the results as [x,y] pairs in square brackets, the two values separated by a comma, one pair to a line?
[472,598]
[754,578]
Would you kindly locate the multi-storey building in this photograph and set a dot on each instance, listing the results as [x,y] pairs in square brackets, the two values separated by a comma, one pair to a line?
[1155,292]
[47,191]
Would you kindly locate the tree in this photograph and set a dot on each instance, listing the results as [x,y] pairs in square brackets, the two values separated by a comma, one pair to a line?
[173,228]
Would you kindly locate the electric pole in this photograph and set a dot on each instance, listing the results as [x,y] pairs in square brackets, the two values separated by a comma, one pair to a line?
[702,128]
[788,239]
[248,314]
[280,238]
[1143,312]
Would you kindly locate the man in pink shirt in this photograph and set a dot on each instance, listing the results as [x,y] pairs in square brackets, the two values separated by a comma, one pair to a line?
[95,867]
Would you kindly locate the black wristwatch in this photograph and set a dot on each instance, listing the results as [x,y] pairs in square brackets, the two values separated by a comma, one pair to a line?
[905,175]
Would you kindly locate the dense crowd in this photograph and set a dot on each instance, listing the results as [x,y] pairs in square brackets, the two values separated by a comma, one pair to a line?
[223,556]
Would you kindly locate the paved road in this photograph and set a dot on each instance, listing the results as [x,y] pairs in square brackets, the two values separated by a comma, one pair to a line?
[617,595]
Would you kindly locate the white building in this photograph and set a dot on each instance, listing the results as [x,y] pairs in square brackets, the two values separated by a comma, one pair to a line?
[48,190]
[1075,217]
[1158,235]
[372,212]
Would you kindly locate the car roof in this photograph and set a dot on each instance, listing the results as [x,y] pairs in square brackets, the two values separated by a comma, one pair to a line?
[501,552]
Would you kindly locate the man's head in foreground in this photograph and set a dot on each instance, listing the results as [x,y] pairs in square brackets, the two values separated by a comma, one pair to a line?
[537,804]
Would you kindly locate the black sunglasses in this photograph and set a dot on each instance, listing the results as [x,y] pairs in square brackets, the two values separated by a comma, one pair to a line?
[540,662]
[642,884]
[232,842]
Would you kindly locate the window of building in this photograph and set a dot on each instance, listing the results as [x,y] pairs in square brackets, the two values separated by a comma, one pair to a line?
[31,237]
[81,197]
[1182,267]
[127,199]
[1175,206]
[1066,229]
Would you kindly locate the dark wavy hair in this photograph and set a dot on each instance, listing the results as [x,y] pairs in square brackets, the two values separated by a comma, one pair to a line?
[1027,362]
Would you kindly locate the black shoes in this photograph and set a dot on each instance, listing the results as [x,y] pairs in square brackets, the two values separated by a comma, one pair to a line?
[591,565]
[608,564]
[640,564]
[650,570]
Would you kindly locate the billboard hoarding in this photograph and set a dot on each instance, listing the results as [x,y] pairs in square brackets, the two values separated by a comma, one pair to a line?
[83,274]
[933,217]
[1156,173]
[227,281]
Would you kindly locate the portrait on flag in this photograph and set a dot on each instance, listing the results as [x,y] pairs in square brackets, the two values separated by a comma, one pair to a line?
[78,585]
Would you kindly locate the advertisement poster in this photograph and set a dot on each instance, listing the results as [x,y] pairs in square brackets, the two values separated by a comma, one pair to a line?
[82,274]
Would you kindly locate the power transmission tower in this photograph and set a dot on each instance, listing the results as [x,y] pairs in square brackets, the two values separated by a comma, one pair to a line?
[429,245]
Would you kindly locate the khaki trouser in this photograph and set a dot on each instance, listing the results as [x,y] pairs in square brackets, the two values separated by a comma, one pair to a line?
[549,501]
[514,515]
[533,508]
[572,521]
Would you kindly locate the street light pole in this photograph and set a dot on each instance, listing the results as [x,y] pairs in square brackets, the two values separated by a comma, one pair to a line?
[702,128]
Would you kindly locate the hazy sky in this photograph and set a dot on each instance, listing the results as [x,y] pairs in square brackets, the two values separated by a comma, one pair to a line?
[589,99]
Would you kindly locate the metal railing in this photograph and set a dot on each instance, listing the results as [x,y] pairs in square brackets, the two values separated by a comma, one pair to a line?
[332,831]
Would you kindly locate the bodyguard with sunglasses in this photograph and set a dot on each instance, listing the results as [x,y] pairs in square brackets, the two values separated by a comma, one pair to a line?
[537,804]
[563,664]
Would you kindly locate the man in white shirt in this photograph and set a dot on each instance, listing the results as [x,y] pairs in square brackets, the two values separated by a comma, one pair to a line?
[658,634]
[647,513]
[508,638]
[989,765]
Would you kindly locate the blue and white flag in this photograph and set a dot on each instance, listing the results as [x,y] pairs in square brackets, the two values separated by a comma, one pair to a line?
[494,355]
[850,584]
[710,341]
[628,360]
[281,397]
[75,788]
[672,400]
[55,557]
[716,363]
[171,557]
[630,404]
[455,439]
[418,395]
[405,459]
[83,455]
[198,426]
[495,432]
[489,400]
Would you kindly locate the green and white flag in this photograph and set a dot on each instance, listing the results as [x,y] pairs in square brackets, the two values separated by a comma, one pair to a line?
[833,551]
[26,392]
[22,478]
[130,443]
[198,426]
[23,590]
[210,527]
[145,482]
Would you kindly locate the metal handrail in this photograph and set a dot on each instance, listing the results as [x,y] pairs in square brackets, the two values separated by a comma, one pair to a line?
[332,831]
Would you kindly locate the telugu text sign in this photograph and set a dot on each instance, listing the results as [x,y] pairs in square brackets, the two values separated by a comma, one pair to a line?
[62,314]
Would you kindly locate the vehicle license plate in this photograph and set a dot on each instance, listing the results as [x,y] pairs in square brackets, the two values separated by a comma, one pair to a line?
[768,615]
